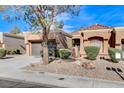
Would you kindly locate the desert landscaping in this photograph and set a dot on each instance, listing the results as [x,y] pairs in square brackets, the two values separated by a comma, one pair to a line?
[96,69]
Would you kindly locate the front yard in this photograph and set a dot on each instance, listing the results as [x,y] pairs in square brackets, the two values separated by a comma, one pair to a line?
[75,68]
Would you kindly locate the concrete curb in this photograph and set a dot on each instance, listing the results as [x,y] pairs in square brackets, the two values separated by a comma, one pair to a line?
[68,82]
[71,76]
[29,82]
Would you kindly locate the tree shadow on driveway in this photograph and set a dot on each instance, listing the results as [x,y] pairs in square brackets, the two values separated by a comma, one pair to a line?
[7,57]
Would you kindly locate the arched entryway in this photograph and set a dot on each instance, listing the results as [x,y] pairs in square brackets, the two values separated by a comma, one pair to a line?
[96,41]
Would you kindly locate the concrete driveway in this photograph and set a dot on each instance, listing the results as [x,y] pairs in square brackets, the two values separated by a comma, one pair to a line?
[13,63]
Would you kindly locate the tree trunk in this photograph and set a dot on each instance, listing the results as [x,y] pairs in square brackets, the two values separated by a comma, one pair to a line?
[45,47]
[45,53]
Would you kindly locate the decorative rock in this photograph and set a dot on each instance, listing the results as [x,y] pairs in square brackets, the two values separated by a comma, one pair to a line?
[78,62]
[51,59]
[88,65]
[32,65]
[58,61]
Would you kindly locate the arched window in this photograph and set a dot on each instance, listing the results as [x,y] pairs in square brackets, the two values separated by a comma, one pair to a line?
[96,41]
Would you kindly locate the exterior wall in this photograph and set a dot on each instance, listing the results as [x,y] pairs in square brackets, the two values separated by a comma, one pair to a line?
[102,33]
[63,41]
[2,45]
[119,37]
[12,42]
[69,42]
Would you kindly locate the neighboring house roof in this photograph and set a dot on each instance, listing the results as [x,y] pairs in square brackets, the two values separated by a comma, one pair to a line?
[13,36]
[75,33]
[66,34]
[97,26]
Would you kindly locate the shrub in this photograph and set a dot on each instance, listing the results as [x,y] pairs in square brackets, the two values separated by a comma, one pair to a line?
[13,51]
[112,52]
[17,51]
[92,52]
[2,52]
[64,53]
[8,52]
[56,53]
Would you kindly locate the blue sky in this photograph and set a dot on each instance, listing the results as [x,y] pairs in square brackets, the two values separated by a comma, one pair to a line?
[89,15]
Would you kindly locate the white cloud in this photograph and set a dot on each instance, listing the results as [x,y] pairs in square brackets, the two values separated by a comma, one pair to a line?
[68,27]
[68,31]
[63,16]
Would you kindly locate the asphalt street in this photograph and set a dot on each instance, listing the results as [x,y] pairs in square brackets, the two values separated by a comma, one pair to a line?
[21,84]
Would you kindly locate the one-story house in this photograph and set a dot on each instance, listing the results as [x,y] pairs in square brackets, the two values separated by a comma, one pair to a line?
[99,35]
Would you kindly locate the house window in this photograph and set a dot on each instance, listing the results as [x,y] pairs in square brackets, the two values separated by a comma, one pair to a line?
[96,42]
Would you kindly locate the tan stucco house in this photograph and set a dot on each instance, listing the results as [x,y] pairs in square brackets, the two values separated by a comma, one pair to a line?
[56,40]
[99,35]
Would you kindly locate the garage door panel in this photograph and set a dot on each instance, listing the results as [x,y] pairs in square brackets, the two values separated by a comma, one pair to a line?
[36,49]
[122,50]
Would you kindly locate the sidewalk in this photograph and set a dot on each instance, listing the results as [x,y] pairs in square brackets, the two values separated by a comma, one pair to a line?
[69,81]
[11,69]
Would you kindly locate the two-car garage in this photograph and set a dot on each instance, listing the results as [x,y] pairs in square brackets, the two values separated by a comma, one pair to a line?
[37,48]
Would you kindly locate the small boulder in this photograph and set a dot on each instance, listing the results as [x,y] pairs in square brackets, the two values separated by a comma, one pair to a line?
[58,61]
[89,65]
[78,62]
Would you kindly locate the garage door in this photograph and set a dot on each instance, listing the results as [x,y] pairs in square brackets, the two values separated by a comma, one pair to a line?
[123,50]
[36,49]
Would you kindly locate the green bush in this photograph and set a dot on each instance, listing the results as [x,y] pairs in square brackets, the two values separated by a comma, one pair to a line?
[17,51]
[112,52]
[92,52]
[64,53]
[56,53]
[8,51]
[13,51]
[2,52]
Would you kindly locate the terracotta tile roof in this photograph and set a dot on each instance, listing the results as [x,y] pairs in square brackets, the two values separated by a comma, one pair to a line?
[97,26]
[92,27]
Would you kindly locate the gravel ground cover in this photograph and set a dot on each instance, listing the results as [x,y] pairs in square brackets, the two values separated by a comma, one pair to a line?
[74,67]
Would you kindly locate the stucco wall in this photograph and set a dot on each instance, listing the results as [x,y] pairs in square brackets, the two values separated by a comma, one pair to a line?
[119,36]
[14,42]
[69,42]
[104,34]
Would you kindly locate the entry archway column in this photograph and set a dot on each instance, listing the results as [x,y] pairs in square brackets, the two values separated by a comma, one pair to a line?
[82,45]
[105,46]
